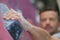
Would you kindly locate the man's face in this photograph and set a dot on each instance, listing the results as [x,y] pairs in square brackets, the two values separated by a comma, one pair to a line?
[49,21]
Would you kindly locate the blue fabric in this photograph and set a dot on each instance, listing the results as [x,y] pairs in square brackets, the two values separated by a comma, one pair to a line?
[57,35]
[14,28]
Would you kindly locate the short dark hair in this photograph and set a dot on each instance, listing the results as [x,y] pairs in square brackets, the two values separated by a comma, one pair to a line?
[50,9]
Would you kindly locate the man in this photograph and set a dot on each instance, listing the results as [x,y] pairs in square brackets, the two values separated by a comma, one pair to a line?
[49,19]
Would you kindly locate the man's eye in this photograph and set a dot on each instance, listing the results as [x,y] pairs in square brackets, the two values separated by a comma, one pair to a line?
[52,19]
[43,20]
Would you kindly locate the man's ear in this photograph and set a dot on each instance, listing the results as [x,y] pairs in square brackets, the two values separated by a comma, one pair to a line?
[59,26]
[58,23]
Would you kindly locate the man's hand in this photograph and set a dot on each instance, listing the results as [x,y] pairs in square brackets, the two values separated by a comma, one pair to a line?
[11,15]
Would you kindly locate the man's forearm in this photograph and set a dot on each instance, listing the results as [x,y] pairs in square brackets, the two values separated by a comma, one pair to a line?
[54,38]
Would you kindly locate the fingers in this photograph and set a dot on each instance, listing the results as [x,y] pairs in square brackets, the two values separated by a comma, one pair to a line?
[6,16]
[11,15]
[16,17]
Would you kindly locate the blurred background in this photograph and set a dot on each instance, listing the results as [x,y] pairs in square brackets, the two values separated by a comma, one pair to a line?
[30,10]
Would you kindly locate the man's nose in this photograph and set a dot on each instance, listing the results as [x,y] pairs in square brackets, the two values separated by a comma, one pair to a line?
[47,21]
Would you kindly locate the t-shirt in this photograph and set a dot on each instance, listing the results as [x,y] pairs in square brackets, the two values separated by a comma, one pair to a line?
[57,35]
